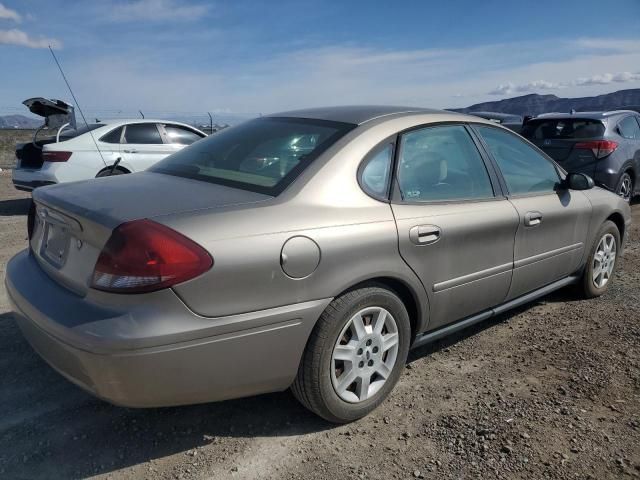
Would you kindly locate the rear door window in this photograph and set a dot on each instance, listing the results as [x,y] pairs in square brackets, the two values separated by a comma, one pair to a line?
[525,170]
[629,128]
[441,164]
[142,133]
[113,136]
[564,128]
[181,135]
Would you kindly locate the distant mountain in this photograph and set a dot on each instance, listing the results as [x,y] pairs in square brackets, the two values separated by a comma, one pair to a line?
[18,121]
[535,104]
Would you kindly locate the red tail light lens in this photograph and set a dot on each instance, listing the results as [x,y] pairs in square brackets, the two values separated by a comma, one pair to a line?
[144,256]
[56,156]
[600,148]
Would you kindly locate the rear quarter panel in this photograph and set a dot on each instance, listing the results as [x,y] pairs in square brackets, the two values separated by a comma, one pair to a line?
[356,244]
[605,205]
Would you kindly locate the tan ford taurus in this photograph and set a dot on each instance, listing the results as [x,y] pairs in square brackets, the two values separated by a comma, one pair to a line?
[310,249]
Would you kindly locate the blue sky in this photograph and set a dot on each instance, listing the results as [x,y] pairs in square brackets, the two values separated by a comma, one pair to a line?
[247,57]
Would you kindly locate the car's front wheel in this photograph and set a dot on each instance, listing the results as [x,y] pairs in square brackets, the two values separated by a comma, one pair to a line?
[355,355]
[602,261]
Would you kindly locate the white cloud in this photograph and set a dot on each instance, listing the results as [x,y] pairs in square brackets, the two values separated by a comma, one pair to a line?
[537,85]
[626,77]
[8,14]
[156,10]
[20,38]
[503,89]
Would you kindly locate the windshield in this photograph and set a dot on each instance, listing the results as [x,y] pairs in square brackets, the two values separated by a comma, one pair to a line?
[562,128]
[262,155]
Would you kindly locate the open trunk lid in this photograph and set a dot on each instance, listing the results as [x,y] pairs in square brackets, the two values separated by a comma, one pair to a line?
[75,220]
[55,112]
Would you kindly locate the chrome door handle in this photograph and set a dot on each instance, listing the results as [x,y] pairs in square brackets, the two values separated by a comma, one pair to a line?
[130,151]
[532,219]
[425,234]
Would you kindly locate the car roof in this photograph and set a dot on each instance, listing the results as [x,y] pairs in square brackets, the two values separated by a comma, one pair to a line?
[125,121]
[118,122]
[588,115]
[356,114]
[496,115]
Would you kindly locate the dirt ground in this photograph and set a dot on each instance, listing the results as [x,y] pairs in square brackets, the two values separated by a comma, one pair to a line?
[548,391]
[8,140]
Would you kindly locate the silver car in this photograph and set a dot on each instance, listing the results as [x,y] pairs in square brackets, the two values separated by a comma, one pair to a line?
[307,250]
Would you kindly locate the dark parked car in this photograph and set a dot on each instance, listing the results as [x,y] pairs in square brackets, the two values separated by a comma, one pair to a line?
[604,145]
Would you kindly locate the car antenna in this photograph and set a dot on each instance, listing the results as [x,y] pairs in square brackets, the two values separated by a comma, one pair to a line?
[77,104]
[141,114]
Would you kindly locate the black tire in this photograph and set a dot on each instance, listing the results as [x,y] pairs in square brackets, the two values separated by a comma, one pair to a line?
[625,186]
[313,386]
[588,287]
[107,172]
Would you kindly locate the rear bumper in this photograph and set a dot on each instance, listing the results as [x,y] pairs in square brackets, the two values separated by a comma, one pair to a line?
[30,186]
[99,348]
[27,179]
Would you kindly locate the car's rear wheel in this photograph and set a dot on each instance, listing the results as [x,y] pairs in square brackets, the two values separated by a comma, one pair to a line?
[355,355]
[625,186]
[602,261]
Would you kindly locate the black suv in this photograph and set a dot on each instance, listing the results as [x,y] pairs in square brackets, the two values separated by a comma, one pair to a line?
[604,145]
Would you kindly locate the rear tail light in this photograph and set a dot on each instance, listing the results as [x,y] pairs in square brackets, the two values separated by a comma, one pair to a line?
[600,148]
[144,256]
[56,156]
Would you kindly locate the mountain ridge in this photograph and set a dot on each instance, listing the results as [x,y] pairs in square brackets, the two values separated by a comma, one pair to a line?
[535,104]
[19,121]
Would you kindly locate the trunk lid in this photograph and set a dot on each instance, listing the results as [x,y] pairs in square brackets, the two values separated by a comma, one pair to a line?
[572,159]
[557,137]
[55,112]
[73,221]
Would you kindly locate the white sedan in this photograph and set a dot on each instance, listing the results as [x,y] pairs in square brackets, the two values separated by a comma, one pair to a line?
[101,149]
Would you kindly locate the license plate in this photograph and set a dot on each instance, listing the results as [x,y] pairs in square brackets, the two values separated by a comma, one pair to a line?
[55,244]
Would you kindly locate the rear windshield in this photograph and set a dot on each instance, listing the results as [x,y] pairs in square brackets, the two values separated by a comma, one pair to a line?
[68,134]
[262,155]
[562,128]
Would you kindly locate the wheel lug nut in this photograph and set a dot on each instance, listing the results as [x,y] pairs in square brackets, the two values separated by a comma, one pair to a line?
[375,349]
[370,363]
[368,342]
[361,364]
[359,351]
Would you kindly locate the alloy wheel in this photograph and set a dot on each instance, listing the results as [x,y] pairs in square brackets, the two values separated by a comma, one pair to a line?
[364,354]
[625,187]
[604,261]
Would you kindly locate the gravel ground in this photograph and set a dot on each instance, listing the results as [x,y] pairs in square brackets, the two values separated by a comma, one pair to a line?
[548,391]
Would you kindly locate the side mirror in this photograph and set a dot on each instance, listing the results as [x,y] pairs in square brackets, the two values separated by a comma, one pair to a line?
[579,181]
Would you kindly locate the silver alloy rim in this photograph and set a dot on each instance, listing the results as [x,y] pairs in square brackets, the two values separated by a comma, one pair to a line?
[625,188]
[364,355]
[604,260]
